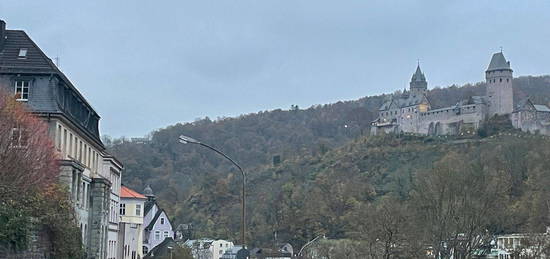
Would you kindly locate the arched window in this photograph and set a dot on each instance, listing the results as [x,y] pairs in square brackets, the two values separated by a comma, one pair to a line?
[145,250]
[501,80]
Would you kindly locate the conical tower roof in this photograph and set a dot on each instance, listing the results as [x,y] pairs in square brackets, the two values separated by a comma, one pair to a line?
[418,76]
[498,62]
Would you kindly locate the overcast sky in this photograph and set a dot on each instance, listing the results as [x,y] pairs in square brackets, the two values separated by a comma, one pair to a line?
[144,65]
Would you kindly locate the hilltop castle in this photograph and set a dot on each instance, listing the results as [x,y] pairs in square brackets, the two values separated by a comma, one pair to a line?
[411,111]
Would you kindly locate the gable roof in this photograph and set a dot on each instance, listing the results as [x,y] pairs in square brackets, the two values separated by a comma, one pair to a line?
[161,249]
[149,205]
[156,217]
[126,192]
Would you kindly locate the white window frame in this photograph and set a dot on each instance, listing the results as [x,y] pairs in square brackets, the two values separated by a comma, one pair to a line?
[157,235]
[20,86]
[138,209]
[22,53]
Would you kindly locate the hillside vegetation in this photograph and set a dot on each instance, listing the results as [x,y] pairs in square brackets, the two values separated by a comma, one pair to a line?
[329,170]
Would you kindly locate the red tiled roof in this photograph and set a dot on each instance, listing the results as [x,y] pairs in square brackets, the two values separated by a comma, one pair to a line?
[126,192]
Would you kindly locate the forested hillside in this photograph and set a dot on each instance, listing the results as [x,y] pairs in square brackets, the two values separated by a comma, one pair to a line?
[329,167]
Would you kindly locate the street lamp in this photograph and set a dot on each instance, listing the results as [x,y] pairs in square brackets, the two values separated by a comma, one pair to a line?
[309,243]
[188,140]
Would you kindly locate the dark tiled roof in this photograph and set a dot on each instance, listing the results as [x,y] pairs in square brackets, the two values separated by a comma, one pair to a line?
[161,249]
[418,76]
[498,62]
[149,205]
[36,62]
[405,100]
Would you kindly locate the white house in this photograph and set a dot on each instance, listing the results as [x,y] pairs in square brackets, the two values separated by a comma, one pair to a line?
[130,236]
[156,222]
[209,248]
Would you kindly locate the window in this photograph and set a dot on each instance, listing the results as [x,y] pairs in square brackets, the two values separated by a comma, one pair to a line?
[138,209]
[19,137]
[157,235]
[22,90]
[65,140]
[80,146]
[122,209]
[162,221]
[22,53]
[165,234]
[145,250]
[58,137]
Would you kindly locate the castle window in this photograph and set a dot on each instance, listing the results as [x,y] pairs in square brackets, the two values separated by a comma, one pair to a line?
[507,79]
[501,80]
[22,90]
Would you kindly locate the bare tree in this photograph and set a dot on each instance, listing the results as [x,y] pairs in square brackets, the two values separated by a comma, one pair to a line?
[455,204]
[27,154]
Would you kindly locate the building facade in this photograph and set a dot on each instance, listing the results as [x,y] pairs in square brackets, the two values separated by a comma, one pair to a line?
[157,224]
[411,112]
[212,249]
[91,174]
[130,235]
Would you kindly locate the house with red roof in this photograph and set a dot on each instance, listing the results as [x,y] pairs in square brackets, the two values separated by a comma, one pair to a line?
[130,238]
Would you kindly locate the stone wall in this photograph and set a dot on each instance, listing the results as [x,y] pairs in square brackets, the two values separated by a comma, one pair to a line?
[100,197]
[39,246]
[448,121]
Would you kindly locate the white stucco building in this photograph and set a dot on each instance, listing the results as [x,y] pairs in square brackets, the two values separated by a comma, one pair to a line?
[209,248]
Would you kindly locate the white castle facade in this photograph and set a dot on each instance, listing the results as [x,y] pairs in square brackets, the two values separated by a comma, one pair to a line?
[411,112]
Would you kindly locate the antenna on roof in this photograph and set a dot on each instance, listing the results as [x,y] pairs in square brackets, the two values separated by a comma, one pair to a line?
[57,61]
[418,61]
[501,49]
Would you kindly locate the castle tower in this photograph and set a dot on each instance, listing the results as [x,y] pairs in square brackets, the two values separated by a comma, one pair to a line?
[418,83]
[499,86]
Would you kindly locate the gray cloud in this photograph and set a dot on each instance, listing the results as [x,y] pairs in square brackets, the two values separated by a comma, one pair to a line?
[147,64]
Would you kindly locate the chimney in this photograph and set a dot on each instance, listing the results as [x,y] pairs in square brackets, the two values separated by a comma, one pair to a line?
[2,34]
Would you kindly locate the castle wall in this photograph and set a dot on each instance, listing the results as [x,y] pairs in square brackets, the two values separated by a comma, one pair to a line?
[448,121]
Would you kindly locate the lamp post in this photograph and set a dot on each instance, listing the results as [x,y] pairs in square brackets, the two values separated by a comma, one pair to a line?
[188,140]
[309,243]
